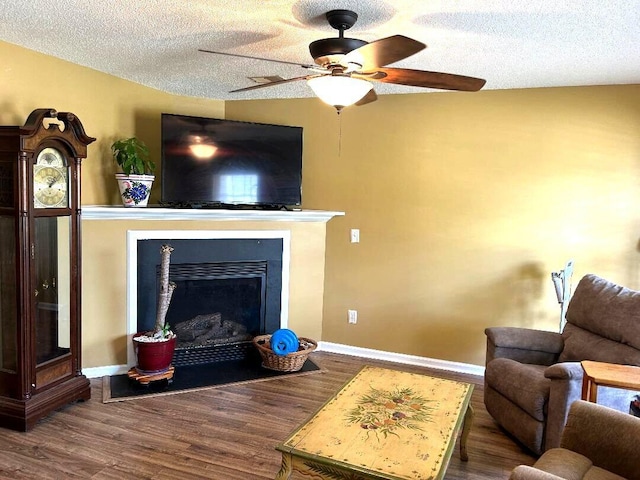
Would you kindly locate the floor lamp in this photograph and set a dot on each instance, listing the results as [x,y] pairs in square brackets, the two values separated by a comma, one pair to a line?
[562,283]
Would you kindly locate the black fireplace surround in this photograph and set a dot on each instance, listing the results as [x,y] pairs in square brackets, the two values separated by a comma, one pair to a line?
[228,291]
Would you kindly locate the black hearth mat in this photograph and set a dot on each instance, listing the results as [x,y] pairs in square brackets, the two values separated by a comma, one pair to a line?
[116,388]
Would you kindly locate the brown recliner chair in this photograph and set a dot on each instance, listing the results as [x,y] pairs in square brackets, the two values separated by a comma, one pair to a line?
[597,444]
[532,377]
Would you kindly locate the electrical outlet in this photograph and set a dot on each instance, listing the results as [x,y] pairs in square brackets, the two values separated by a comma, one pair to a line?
[355,235]
[353,316]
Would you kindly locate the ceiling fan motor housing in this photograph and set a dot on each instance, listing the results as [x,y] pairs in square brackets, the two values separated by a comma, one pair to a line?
[324,51]
[329,51]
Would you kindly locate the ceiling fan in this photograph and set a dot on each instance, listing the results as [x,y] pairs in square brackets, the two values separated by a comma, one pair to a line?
[345,67]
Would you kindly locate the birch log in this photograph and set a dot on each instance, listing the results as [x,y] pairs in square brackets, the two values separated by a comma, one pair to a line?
[166,288]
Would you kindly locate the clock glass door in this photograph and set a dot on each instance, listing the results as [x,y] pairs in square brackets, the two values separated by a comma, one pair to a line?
[8,292]
[52,287]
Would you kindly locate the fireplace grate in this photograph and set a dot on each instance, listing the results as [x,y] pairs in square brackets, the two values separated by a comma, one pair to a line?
[213,354]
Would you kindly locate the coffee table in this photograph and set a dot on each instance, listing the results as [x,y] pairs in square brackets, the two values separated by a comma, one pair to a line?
[383,424]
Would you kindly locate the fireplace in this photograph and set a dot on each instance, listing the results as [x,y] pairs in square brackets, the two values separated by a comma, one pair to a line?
[231,286]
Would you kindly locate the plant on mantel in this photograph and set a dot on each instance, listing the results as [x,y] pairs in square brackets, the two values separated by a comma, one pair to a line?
[132,156]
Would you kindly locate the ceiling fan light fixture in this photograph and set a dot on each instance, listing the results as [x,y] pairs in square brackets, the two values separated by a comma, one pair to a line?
[202,148]
[339,91]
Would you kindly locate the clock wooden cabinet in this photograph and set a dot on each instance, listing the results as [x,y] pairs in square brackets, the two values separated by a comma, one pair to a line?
[40,274]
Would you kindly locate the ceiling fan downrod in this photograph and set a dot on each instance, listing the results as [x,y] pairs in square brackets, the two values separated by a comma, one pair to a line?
[341,20]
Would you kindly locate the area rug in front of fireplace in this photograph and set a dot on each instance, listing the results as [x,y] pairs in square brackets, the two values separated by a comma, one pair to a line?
[189,378]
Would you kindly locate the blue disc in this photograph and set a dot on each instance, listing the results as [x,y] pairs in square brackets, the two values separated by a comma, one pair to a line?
[284,341]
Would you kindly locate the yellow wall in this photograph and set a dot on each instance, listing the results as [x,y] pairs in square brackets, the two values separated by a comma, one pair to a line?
[465,202]
[108,107]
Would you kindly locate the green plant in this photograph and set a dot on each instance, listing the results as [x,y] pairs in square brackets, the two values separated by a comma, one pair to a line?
[132,155]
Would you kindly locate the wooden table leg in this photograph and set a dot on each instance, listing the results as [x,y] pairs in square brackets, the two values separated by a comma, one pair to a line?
[585,387]
[286,467]
[589,389]
[466,428]
[593,392]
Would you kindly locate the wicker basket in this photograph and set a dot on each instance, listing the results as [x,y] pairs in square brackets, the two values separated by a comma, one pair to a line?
[292,362]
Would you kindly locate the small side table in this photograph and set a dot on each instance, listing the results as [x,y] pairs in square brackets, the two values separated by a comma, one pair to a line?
[598,374]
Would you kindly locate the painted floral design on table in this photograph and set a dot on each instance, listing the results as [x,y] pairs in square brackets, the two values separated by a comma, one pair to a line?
[386,411]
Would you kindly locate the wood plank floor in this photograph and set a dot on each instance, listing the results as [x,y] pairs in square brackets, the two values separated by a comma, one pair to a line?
[226,433]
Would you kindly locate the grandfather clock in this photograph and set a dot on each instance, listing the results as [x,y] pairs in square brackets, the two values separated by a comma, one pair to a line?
[40,367]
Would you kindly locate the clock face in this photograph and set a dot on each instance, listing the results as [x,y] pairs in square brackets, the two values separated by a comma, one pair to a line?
[50,180]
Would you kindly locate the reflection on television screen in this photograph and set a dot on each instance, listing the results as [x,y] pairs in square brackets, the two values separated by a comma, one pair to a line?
[213,162]
[239,188]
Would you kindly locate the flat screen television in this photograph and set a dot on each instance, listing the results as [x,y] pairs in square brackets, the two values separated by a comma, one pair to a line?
[208,163]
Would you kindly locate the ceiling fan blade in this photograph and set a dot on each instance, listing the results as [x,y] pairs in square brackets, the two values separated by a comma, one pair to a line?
[258,58]
[368,98]
[422,78]
[271,84]
[384,51]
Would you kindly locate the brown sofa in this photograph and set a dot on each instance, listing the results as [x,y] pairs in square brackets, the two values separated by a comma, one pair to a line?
[532,377]
[597,443]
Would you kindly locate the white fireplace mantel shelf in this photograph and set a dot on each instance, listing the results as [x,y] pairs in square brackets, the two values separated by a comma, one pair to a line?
[94,212]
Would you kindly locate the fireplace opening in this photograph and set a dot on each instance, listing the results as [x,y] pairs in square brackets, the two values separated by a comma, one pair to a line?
[216,309]
[227,292]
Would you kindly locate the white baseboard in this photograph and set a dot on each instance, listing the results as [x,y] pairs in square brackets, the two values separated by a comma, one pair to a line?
[401,358]
[95,372]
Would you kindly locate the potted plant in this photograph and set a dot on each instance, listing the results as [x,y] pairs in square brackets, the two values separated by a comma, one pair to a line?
[132,156]
[154,349]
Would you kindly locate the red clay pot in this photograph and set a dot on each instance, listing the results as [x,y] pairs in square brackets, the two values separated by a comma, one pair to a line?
[154,356]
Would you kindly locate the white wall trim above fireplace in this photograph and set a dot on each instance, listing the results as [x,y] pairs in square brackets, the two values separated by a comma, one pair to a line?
[97,212]
[133,236]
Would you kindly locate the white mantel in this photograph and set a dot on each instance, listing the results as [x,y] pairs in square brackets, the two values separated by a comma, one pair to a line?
[94,212]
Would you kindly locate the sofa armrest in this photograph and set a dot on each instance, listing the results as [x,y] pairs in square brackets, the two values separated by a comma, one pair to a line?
[565,371]
[605,436]
[566,388]
[524,472]
[523,345]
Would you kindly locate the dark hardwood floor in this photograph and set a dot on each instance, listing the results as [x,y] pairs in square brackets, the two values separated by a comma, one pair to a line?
[225,433]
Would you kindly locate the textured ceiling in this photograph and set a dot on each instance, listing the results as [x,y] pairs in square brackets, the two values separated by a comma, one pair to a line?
[511,44]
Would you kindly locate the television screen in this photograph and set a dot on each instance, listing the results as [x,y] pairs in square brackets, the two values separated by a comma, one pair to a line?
[208,162]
